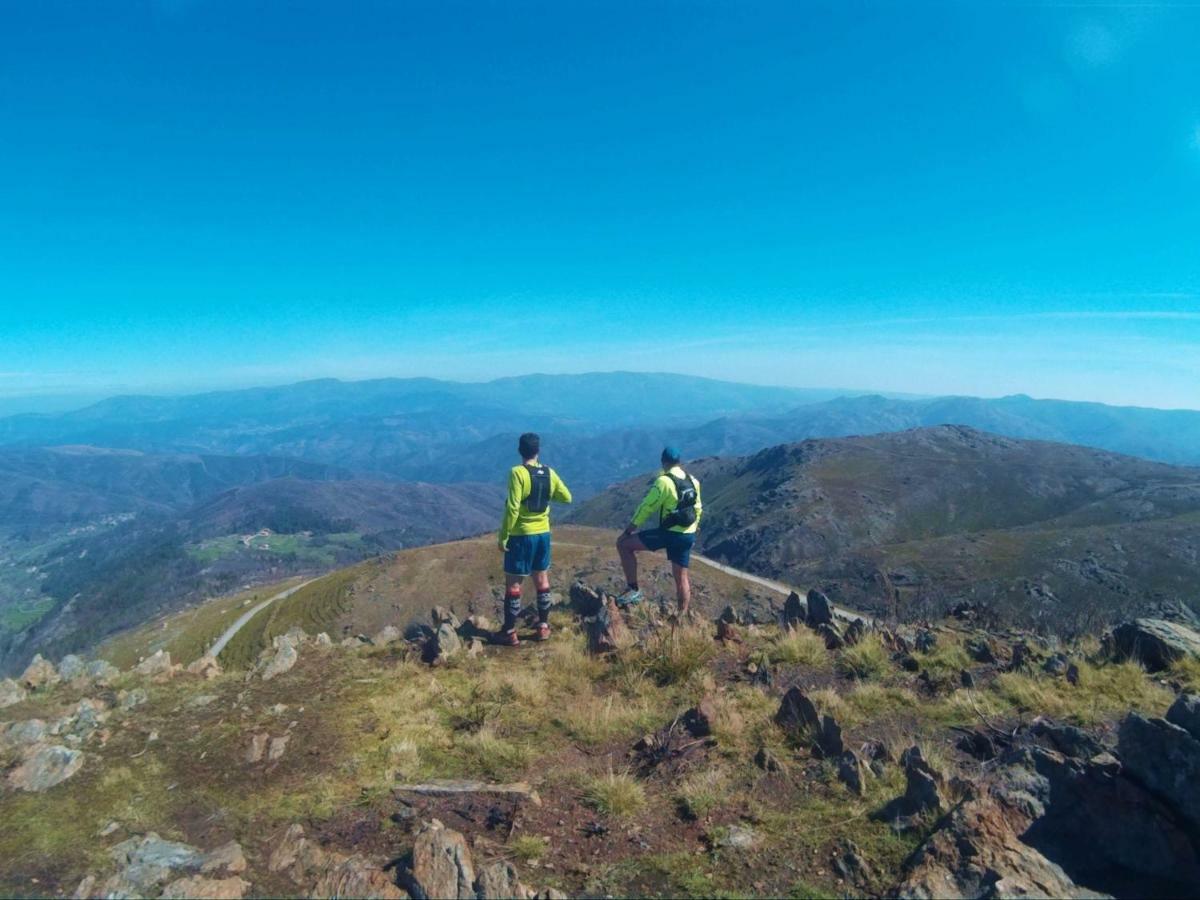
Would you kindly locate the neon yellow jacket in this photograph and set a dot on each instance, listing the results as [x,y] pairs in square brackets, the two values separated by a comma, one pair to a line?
[519,520]
[662,498]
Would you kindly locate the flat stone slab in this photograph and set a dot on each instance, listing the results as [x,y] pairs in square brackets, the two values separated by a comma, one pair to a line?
[463,786]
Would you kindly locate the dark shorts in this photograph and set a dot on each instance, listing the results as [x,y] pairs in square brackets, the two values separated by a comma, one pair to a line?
[677,544]
[527,553]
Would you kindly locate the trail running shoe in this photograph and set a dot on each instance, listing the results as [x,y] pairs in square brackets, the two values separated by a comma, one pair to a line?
[629,598]
[543,632]
[506,638]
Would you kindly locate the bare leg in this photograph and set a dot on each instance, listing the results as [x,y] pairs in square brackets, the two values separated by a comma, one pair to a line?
[541,581]
[628,545]
[683,587]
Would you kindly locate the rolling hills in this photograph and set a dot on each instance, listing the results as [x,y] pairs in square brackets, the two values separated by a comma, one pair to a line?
[916,522]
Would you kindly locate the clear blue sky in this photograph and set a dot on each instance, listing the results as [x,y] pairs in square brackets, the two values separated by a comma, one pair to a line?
[974,197]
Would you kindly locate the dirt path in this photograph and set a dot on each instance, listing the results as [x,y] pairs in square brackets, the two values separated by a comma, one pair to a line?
[778,587]
[215,649]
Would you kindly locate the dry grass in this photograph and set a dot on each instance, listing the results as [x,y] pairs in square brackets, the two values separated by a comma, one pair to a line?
[615,794]
[868,659]
[798,648]
[702,791]
[1104,692]
[1187,672]
[675,656]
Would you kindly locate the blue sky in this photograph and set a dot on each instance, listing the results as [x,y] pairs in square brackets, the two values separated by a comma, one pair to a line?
[977,198]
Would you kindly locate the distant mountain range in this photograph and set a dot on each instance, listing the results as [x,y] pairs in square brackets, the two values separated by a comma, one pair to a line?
[912,523]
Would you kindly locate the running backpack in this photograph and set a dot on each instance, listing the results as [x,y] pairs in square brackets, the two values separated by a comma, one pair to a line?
[539,489]
[684,513]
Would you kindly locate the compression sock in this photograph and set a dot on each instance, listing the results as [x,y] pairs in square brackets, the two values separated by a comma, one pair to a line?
[512,607]
[632,585]
[543,606]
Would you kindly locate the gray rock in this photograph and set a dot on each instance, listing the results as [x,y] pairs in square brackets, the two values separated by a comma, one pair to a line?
[1155,643]
[926,640]
[730,616]
[443,616]
[607,631]
[101,672]
[11,693]
[258,747]
[737,837]
[798,716]
[1165,758]
[819,610]
[447,641]
[441,865]
[284,658]
[355,877]
[127,700]
[40,673]
[854,632]
[980,650]
[832,635]
[921,794]
[151,850]
[850,772]
[24,733]
[389,634]
[158,664]
[794,610]
[323,640]
[71,667]
[499,880]
[277,747]
[1056,664]
[1185,712]
[1068,739]
[196,887]
[295,636]
[45,767]
[226,858]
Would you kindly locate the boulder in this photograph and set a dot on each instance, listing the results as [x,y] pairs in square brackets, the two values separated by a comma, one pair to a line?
[1067,739]
[794,611]
[443,616]
[1155,643]
[921,794]
[441,866]
[127,700]
[11,693]
[586,600]
[926,640]
[849,864]
[499,881]
[296,856]
[257,748]
[980,649]
[276,748]
[1056,664]
[226,858]
[832,635]
[71,667]
[205,667]
[736,837]
[607,631]
[40,673]
[284,658]
[353,876]
[45,767]
[294,636]
[389,634]
[854,632]
[850,772]
[819,610]
[798,716]
[730,616]
[196,887]
[699,719]
[1185,712]
[323,640]
[157,665]
[446,642]
[1165,759]
[101,672]
[23,733]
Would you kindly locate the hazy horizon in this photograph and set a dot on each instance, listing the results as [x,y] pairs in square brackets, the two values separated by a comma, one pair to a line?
[929,198]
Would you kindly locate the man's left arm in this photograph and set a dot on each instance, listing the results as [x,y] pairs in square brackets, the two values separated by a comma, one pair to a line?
[558,490]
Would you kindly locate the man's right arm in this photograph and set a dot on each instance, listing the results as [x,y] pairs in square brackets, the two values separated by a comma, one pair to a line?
[512,508]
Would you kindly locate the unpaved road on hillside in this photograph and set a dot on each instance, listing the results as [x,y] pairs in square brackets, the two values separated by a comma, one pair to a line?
[779,587]
[249,614]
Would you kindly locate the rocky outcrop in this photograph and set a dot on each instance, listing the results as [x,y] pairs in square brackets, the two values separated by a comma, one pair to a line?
[499,881]
[798,716]
[157,666]
[101,672]
[1165,758]
[327,873]
[389,634]
[205,667]
[607,631]
[794,611]
[922,795]
[819,610]
[196,887]
[446,643]
[1155,643]
[11,693]
[40,673]
[441,865]
[146,862]
[282,658]
[44,767]
[71,667]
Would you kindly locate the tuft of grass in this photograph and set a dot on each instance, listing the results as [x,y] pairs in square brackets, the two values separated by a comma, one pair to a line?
[701,792]
[616,794]
[798,648]
[678,655]
[866,660]
[868,700]
[527,847]
[1104,692]
[1187,672]
[494,756]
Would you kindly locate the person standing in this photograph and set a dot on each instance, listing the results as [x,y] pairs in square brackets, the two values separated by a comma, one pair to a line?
[674,496]
[524,536]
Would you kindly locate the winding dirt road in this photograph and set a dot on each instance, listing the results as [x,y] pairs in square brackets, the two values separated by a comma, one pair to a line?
[216,648]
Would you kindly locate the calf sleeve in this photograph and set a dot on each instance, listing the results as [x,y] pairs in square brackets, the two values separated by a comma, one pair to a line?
[543,606]
[512,606]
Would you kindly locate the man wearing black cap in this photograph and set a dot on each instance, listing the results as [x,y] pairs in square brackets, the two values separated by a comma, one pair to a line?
[674,496]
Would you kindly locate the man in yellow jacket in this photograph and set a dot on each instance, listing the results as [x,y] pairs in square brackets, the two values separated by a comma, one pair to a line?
[674,496]
[525,536]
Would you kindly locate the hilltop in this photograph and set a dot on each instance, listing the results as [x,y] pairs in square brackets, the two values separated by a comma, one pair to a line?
[914,523]
[777,751]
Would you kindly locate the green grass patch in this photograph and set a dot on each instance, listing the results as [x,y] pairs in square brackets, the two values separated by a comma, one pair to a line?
[615,794]
[868,659]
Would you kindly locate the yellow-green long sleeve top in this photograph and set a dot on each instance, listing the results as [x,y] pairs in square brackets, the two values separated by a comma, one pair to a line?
[519,520]
[662,498]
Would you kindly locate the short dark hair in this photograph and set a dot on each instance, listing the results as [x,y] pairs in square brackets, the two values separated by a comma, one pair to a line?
[529,445]
[671,456]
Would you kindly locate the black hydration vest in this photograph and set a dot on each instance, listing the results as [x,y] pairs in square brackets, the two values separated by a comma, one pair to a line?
[684,513]
[539,488]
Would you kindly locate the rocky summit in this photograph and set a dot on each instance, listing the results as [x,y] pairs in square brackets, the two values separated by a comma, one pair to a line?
[740,750]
